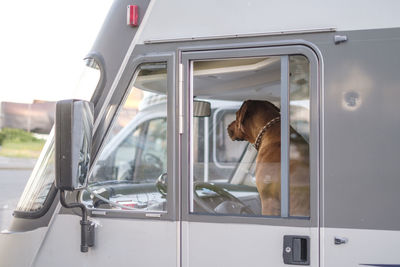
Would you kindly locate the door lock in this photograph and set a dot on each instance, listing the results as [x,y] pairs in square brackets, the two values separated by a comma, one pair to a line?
[296,250]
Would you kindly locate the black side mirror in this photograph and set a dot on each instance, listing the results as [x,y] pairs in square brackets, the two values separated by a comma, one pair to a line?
[73,131]
[73,138]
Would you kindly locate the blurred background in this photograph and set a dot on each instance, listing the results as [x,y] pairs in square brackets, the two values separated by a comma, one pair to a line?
[43,44]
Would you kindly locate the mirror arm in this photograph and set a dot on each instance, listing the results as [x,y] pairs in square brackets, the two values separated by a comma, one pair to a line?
[87,227]
[73,205]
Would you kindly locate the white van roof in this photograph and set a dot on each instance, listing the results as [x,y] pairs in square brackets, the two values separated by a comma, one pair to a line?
[192,19]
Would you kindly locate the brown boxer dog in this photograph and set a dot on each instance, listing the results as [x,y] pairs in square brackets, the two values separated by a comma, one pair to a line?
[258,122]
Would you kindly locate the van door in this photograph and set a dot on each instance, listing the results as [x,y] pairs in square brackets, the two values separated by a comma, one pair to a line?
[264,213]
[127,194]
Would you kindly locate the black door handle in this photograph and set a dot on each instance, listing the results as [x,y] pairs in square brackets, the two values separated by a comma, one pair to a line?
[296,250]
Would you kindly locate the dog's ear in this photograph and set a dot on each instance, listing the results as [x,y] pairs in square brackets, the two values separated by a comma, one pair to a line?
[242,115]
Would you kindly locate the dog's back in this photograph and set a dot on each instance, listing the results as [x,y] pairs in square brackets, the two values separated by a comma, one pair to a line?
[268,174]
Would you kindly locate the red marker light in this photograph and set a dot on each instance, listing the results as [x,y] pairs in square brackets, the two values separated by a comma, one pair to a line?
[132,16]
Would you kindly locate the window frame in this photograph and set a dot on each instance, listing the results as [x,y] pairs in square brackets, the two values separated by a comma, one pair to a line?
[187,57]
[113,108]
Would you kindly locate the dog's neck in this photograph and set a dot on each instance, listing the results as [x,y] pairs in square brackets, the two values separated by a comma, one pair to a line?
[263,130]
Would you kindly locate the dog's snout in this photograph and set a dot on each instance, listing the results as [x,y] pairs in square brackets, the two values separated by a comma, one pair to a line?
[231,130]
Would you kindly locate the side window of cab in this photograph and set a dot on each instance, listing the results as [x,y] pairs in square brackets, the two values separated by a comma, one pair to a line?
[134,154]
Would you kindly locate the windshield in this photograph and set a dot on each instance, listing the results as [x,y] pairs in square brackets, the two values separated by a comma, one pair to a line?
[39,184]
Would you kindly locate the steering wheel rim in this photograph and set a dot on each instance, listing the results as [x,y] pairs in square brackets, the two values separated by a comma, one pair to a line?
[162,184]
[220,191]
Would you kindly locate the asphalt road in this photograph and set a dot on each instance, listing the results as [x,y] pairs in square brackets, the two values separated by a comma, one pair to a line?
[13,178]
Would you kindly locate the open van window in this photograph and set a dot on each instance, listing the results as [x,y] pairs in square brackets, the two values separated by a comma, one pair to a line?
[253,85]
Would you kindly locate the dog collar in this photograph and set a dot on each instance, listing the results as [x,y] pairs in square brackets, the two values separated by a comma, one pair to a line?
[257,143]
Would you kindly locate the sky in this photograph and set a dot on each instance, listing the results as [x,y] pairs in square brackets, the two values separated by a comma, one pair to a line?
[42,46]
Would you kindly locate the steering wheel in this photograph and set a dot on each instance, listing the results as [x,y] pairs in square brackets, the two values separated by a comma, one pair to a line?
[153,160]
[221,192]
[162,184]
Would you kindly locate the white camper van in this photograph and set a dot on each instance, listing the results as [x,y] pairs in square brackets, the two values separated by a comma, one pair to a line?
[148,173]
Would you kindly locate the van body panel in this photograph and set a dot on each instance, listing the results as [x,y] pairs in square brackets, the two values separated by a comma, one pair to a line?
[118,242]
[235,18]
[362,247]
[360,132]
[247,245]
[20,249]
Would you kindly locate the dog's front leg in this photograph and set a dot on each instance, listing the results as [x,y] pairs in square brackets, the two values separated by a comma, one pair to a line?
[270,200]
[269,187]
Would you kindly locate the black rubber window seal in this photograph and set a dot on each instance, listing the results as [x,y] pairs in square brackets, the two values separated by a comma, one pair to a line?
[45,208]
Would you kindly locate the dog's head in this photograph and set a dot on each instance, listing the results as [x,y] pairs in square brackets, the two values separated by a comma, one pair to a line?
[251,112]
[236,129]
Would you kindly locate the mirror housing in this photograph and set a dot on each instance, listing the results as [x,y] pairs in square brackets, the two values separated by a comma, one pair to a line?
[73,141]
[201,108]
